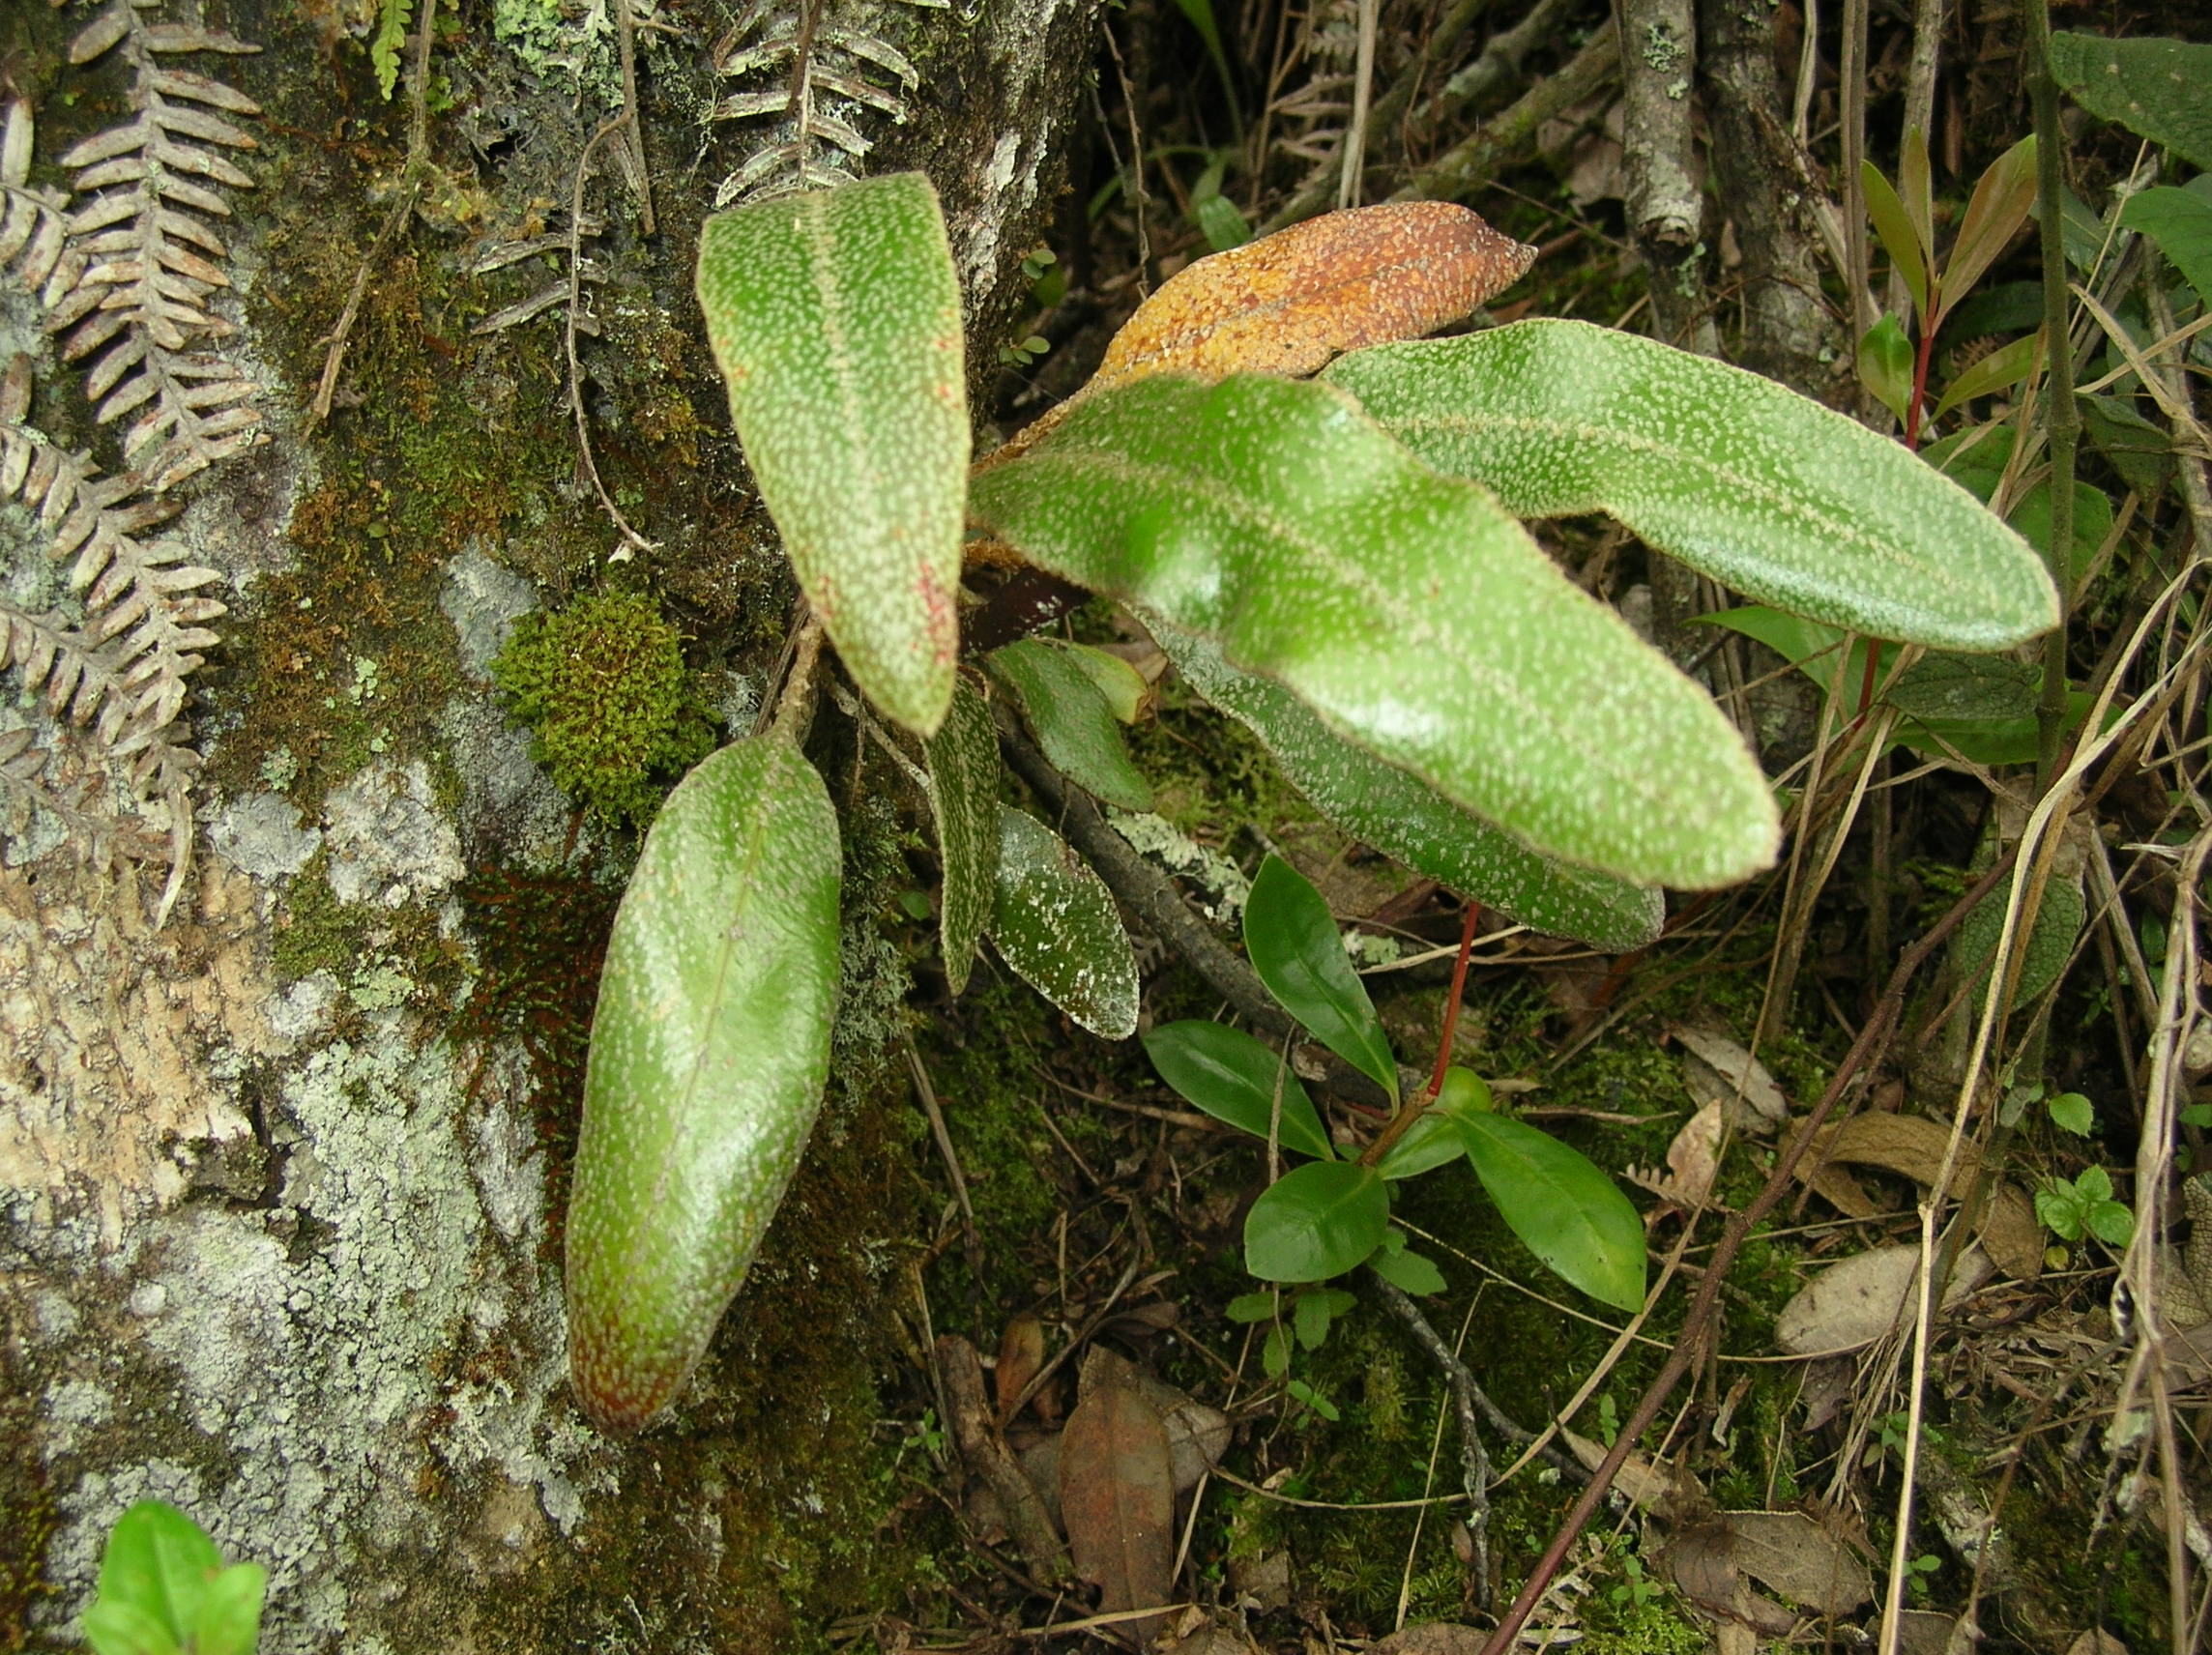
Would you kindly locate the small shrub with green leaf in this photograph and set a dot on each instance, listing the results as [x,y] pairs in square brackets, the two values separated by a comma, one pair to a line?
[2071,1208]
[1338,563]
[164,1590]
[603,687]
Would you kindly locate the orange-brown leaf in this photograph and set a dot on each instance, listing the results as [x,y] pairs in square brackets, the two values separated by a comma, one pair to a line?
[1288,302]
[1021,1353]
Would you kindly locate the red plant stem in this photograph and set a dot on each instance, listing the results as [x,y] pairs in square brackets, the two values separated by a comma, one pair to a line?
[1920,359]
[1865,1051]
[1415,1106]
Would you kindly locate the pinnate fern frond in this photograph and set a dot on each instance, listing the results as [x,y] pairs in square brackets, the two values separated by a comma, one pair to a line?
[150,257]
[34,233]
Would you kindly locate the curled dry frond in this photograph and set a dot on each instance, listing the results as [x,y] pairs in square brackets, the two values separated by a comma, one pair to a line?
[34,235]
[148,257]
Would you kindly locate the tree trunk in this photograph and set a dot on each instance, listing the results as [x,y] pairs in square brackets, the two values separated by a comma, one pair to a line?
[282,1177]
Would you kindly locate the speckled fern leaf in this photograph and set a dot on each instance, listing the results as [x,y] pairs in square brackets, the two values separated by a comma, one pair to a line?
[1414,617]
[813,78]
[121,669]
[1738,477]
[502,254]
[835,317]
[145,194]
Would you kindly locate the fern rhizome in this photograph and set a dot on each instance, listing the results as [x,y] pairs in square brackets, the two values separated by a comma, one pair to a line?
[123,266]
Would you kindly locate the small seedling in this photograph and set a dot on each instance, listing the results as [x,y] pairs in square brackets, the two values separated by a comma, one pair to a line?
[164,1590]
[1636,1590]
[2070,1208]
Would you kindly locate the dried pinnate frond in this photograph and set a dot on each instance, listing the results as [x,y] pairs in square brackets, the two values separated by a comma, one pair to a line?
[33,236]
[821,81]
[150,256]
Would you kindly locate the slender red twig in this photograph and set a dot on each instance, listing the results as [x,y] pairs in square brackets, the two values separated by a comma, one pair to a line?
[1415,1106]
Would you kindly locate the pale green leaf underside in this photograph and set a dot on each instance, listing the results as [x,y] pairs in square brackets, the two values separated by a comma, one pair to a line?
[1054,923]
[1073,721]
[709,1048]
[835,317]
[964,797]
[1741,479]
[1405,819]
[1413,616]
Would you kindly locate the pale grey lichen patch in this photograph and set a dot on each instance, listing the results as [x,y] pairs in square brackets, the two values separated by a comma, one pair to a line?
[304,1010]
[388,841]
[1221,879]
[506,797]
[262,835]
[304,1344]
[483,601]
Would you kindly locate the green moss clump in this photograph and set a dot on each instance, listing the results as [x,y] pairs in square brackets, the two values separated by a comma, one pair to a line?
[603,687]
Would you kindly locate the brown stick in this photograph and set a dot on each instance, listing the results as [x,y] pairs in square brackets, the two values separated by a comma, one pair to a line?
[976,1430]
[1865,1051]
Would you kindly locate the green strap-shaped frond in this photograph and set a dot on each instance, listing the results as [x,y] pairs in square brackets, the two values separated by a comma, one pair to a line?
[709,1049]
[1738,477]
[1405,609]
[835,316]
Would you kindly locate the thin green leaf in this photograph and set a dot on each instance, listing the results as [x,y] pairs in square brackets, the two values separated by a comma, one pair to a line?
[2049,945]
[2180,222]
[391,20]
[964,798]
[1408,1272]
[1299,955]
[1315,1221]
[1054,923]
[158,1562]
[709,1048]
[1568,1213]
[2155,88]
[1917,191]
[1895,226]
[1786,500]
[1122,684]
[1222,222]
[1885,367]
[125,1629]
[1310,1316]
[2073,1113]
[2137,448]
[1251,1307]
[1235,1078]
[2001,204]
[1075,724]
[1972,689]
[1430,1142]
[2112,1223]
[2000,370]
[835,317]
[1384,806]
[1414,617]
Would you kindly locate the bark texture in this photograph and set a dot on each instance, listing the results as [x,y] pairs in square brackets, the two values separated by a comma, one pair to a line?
[280,1182]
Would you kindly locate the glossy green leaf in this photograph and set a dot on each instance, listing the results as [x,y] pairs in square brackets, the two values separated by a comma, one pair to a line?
[1075,724]
[2000,370]
[1299,955]
[1388,808]
[709,1049]
[1122,684]
[1235,1078]
[1415,617]
[157,1566]
[2180,222]
[1054,923]
[1894,225]
[1567,1212]
[1978,467]
[2155,88]
[1787,500]
[835,317]
[1315,1221]
[964,797]
[1885,367]
[1430,1142]
[1916,190]
[2002,199]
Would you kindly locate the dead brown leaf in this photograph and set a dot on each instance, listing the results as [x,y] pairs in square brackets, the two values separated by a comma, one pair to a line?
[1290,301]
[1117,1492]
[1912,1147]
[1716,1065]
[1021,1353]
[1790,1553]
[1693,1162]
[1432,1637]
[1858,1300]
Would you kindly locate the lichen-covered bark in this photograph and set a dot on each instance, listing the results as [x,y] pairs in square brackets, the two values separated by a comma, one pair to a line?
[280,1184]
